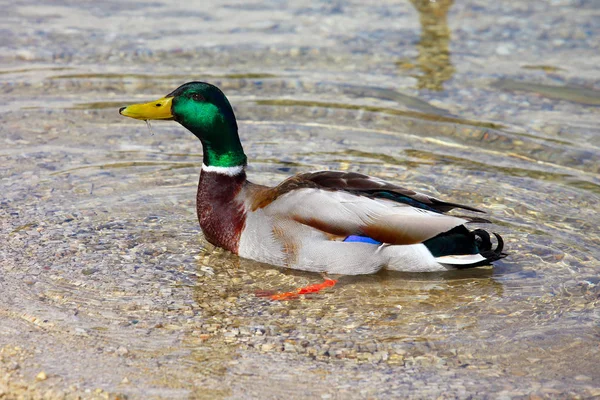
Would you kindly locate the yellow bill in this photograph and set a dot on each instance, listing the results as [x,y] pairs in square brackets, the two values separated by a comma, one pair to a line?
[158,109]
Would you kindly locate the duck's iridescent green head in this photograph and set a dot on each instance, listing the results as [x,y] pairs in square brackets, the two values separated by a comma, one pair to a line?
[204,110]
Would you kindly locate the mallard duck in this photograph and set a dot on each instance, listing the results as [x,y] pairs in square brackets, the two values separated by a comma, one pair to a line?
[326,221]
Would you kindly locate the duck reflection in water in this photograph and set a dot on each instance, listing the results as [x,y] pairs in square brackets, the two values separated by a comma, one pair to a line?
[433,60]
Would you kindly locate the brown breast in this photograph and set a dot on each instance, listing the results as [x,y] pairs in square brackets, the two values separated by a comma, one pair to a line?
[220,212]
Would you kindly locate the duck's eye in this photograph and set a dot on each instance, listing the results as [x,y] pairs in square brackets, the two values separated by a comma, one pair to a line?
[198,97]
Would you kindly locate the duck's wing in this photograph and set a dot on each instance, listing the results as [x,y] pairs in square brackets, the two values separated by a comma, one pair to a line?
[347,203]
[365,185]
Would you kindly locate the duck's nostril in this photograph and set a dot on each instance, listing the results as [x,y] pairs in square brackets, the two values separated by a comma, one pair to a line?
[158,104]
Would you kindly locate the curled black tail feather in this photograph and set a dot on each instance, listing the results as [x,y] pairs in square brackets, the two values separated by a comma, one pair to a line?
[496,254]
[484,243]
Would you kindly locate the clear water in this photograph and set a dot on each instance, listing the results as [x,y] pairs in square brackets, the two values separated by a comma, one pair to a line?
[107,285]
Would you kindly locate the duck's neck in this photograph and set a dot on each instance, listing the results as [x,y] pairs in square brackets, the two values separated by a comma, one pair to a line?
[224,154]
[218,133]
[220,205]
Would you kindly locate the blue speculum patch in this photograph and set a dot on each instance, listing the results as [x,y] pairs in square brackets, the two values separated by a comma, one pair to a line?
[361,239]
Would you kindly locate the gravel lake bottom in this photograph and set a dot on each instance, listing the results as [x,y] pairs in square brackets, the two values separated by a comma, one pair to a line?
[108,289]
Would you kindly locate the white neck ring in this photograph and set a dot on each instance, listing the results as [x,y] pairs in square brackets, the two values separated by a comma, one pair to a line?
[229,171]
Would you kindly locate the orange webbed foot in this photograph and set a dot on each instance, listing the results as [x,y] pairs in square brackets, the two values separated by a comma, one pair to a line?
[314,288]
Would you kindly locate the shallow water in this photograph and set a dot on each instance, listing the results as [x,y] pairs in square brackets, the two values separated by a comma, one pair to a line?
[109,288]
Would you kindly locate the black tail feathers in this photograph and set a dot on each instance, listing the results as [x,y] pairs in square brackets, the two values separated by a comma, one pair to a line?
[460,240]
[483,242]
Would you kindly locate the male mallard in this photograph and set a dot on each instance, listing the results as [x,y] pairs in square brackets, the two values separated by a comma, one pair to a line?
[325,221]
